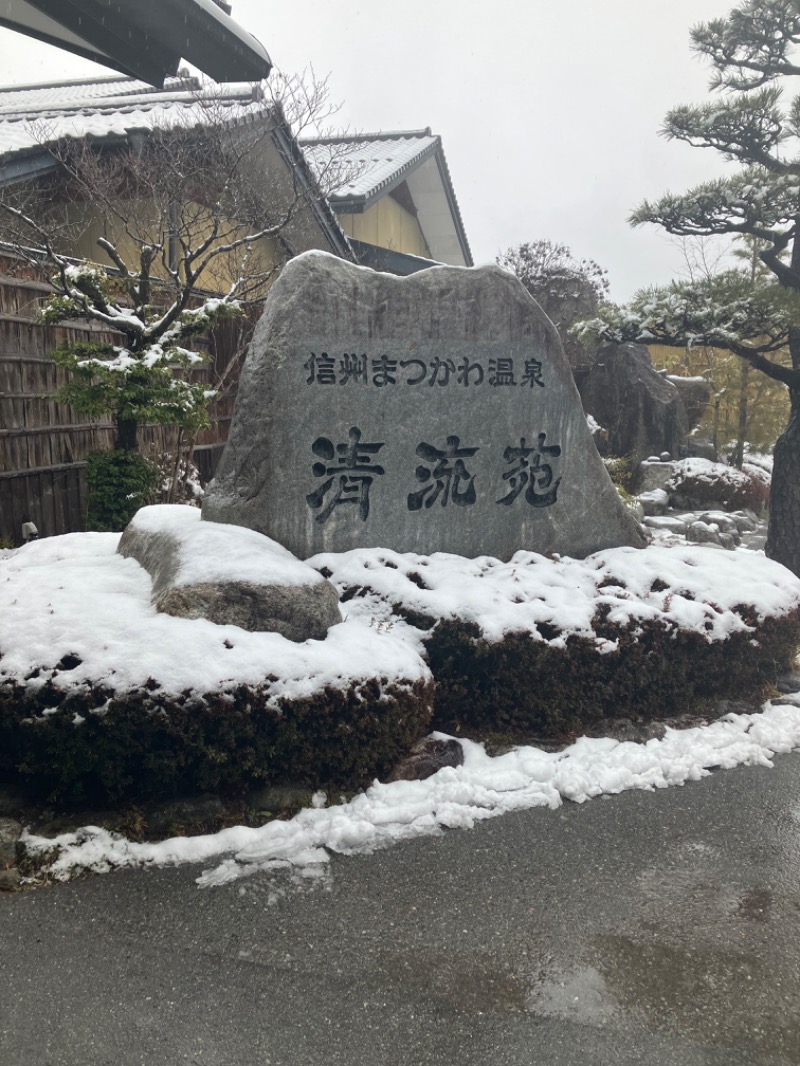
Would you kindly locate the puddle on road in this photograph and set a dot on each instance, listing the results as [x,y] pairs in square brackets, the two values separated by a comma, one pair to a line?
[465,984]
[715,997]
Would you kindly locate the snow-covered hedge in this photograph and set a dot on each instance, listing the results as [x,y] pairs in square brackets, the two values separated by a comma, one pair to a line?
[700,483]
[540,645]
[102,698]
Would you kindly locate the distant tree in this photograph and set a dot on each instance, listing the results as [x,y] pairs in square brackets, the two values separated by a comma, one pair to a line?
[752,52]
[566,288]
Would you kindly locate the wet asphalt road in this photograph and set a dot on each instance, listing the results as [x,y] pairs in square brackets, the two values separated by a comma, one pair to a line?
[648,928]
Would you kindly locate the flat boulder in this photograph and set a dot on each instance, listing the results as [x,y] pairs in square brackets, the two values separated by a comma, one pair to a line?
[228,575]
[430,413]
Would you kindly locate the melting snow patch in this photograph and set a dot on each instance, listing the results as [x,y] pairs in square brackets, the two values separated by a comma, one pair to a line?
[454,798]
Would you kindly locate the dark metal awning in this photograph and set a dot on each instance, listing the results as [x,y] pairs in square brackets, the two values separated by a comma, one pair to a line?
[145,39]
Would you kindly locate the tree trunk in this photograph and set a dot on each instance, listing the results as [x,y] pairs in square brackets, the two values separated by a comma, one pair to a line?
[126,429]
[741,433]
[783,540]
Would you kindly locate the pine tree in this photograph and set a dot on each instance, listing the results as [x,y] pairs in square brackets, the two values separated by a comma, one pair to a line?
[752,123]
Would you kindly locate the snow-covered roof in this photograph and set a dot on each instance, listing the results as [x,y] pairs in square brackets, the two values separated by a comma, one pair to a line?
[36,115]
[379,160]
[373,164]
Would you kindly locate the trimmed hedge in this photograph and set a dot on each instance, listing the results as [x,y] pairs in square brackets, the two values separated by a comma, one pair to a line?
[143,746]
[527,687]
[100,748]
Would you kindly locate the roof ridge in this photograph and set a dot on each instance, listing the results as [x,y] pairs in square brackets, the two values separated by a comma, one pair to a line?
[382,135]
[71,83]
[173,96]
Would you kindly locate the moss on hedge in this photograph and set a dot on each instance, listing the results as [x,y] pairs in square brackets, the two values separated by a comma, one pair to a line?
[525,686]
[97,747]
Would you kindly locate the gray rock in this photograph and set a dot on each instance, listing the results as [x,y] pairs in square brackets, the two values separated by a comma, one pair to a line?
[428,756]
[788,682]
[435,412]
[653,476]
[654,502]
[724,522]
[229,575]
[668,523]
[10,832]
[755,541]
[703,533]
[695,394]
[746,522]
[701,448]
[641,410]
[10,880]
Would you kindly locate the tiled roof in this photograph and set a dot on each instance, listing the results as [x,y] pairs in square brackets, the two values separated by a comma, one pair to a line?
[33,116]
[24,96]
[373,164]
[370,162]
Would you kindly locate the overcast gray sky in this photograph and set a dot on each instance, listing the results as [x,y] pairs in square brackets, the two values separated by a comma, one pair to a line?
[549,110]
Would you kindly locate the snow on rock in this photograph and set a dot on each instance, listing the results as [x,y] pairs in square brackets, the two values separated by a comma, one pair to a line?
[710,472]
[454,798]
[214,552]
[228,574]
[75,596]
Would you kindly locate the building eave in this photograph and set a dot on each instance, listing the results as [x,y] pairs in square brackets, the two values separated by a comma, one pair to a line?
[146,39]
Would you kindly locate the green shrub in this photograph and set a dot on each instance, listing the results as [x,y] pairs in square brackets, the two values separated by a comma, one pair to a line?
[620,470]
[526,686]
[119,483]
[95,747]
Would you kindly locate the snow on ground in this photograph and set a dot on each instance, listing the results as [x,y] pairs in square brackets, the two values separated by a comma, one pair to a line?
[453,798]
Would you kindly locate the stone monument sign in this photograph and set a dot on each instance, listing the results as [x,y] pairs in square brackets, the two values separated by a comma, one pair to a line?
[435,412]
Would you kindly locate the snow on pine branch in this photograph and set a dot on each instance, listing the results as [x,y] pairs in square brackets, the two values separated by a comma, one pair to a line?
[750,202]
[720,312]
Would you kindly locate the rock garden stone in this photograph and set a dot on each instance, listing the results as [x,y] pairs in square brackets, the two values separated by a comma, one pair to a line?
[10,832]
[228,575]
[724,522]
[10,880]
[426,758]
[789,682]
[653,475]
[435,412]
[745,523]
[641,409]
[703,533]
[667,523]
[654,502]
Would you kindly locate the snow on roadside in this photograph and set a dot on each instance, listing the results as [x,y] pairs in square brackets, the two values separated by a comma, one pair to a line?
[454,798]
